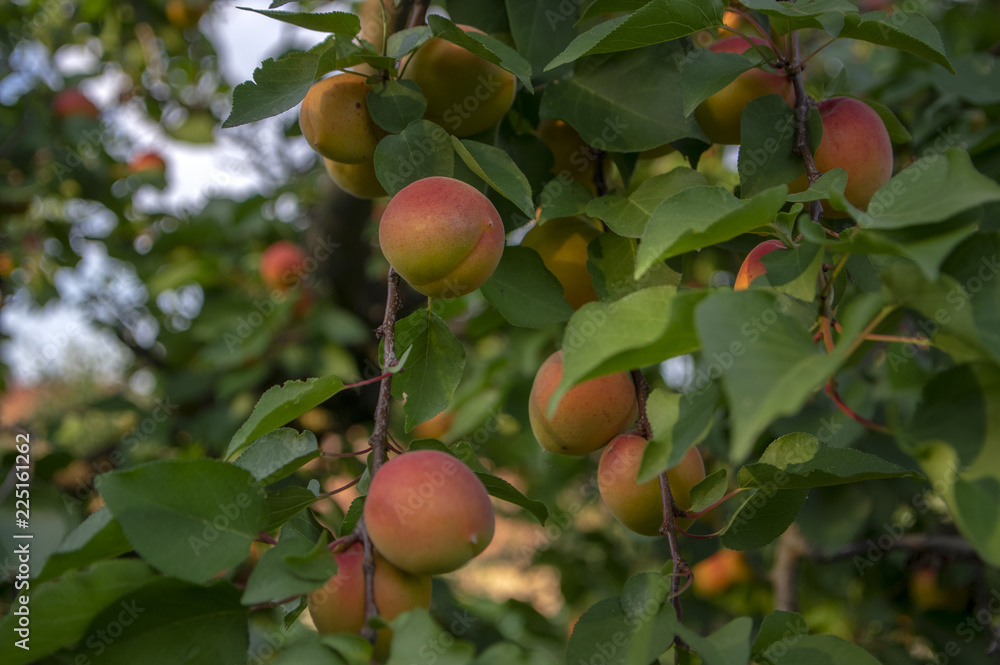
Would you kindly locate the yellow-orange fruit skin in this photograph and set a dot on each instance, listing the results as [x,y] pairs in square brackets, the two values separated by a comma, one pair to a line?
[358,180]
[753,267]
[281,265]
[465,93]
[719,572]
[442,236]
[639,506]
[335,121]
[719,115]
[854,139]
[573,158]
[428,513]
[562,244]
[339,606]
[589,415]
[434,428]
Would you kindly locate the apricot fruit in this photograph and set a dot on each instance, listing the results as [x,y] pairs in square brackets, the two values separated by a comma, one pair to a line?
[428,513]
[719,572]
[436,427]
[339,605]
[335,121]
[854,139]
[589,415]
[639,506]
[358,180]
[753,267]
[719,115]
[281,265]
[71,102]
[466,94]
[147,161]
[562,244]
[573,158]
[442,236]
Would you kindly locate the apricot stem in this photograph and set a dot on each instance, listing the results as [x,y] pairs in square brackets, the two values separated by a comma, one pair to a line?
[340,489]
[365,382]
[344,542]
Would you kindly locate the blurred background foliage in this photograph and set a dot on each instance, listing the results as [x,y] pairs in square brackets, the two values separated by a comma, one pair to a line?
[137,326]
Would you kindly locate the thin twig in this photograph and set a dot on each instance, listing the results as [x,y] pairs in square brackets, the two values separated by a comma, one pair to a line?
[340,489]
[641,390]
[600,184]
[344,543]
[368,566]
[669,530]
[265,537]
[418,15]
[368,381]
[351,454]
[785,571]
[802,105]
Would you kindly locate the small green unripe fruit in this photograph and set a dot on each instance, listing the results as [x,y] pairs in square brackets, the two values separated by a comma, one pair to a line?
[339,606]
[442,236]
[589,415]
[465,93]
[639,506]
[428,513]
[335,121]
[562,244]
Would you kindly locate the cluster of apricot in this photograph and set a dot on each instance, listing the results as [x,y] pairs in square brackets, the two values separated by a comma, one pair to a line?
[427,514]
[593,415]
[465,94]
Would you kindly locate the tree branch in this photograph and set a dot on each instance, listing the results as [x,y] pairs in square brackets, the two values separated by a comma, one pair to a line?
[802,106]
[785,571]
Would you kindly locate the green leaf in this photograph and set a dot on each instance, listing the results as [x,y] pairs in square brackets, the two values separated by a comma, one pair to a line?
[343,23]
[278,454]
[764,516]
[599,8]
[624,102]
[828,15]
[277,86]
[285,503]
[606,629]
[97,537]
[282,404]
[679,421]
[484,46]
[422,150]
[778,631]
[657,21]
[706,72]
[641,329]
[826,649]
[541,30]
[405,41]
[562,197]
[728,645]
[794,271]
[709,491]
[902,30]
[799,461]
[909,199]
[611,263]
[415,630]
[768,129]
[498,170]
[701,216]
[628,216]
[501,489]
[354,514]
[394,104]
[955,436]
[433,370]
[769,364]
[172,622]
[187,518]
[524,291]
[293,567]
[62,609]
